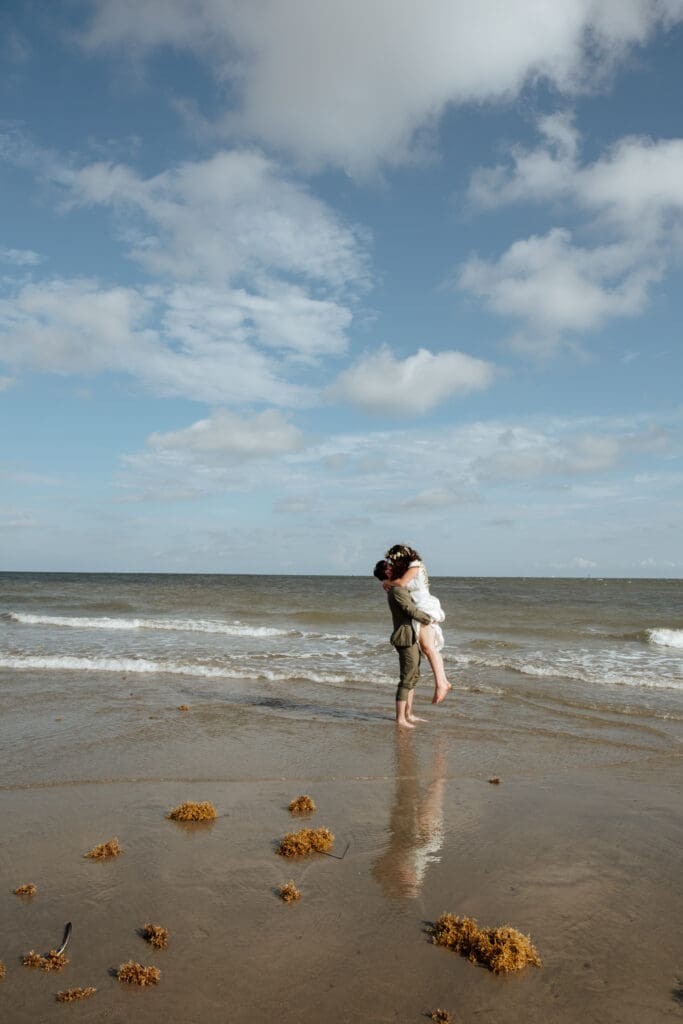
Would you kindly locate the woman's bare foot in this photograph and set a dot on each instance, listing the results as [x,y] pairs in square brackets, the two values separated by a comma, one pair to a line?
[415,718]
[440,692]
[404,723]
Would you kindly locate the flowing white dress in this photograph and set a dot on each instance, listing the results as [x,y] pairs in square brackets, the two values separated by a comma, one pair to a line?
[426,602]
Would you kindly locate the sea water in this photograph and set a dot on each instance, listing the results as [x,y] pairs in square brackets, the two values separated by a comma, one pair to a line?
[557,654]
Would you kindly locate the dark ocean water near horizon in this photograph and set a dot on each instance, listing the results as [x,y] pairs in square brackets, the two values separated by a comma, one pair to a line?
[558,651]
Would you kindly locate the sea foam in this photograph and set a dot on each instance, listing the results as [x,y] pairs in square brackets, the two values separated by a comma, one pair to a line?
[175,625]
[666,637]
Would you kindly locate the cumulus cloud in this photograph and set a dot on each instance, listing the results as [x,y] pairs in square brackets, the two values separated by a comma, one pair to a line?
[379,382]
[304,72]
[81,327]
[233,215]
[555,286]
[225,435]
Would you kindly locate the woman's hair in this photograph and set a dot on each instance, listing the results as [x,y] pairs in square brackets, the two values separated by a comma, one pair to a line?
[400,557]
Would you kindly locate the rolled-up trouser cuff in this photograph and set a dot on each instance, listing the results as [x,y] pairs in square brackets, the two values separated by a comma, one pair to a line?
[409,663]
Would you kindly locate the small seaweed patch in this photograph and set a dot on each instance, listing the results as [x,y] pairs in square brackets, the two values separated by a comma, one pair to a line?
[289,892]
[183,707]
[69,995]
[52,961]
[155,935]
[500,949]
[441,1016]
[495,781]
[2,970]
[302,805]
[29,889]
[306,840]
[112,848]
[136,974]
[191,811]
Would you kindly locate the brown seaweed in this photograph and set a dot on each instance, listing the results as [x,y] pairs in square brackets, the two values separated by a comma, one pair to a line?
[69,995]
[2,970]
[289,892]
[137,974]
[191,811]
[183,707]
[495,781]
[52,961]
[302,805]
[305,841]
[29,889]
[500,949]
[112,848]
[441,1016]
[155,935]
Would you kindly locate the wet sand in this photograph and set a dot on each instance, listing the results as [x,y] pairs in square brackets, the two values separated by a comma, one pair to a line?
[579,846]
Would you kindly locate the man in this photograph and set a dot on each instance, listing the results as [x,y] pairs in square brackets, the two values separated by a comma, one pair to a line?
[403,611]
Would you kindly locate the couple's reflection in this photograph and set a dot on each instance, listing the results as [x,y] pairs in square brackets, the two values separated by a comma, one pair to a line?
[416,823]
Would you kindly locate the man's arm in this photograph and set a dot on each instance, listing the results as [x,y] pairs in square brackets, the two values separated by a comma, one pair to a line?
[403,598]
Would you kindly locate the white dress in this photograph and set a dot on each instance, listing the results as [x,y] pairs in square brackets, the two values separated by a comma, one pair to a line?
[426,602]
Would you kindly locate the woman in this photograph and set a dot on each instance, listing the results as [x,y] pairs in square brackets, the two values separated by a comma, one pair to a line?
[409,572]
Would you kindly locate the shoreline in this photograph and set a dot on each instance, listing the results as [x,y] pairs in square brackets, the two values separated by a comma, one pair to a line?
[572,853]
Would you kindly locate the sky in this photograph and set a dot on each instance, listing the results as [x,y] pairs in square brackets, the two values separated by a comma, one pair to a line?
[285,283]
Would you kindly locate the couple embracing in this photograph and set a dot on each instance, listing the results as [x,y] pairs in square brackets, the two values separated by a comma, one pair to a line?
[416,615]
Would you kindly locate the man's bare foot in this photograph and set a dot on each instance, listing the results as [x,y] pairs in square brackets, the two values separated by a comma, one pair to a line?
[440,692]
[404,723]
[415,718]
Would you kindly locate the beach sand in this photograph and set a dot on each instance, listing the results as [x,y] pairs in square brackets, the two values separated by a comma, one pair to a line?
[579,846]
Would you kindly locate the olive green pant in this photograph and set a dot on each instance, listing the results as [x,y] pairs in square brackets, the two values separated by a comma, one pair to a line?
[409,663]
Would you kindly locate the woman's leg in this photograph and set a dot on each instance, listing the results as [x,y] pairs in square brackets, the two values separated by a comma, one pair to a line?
[428,647]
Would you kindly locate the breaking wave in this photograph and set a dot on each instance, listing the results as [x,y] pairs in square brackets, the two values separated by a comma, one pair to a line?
[174,625]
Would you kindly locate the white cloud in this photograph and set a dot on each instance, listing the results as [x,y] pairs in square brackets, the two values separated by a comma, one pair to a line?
[220,219]
[554,286]
[7,382]
[20,257]
[379,382]
[81,327]
[225,435]
[357,84]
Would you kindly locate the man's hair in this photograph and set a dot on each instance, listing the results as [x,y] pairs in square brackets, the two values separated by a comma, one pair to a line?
[380,570]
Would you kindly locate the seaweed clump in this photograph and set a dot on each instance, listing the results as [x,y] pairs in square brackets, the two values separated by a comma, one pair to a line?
[289,892]
[191,811]
[69,995]
[155,935]
[495,781]
[183,707]
[136,974]
[52,961]
[306,840]
[2,970]
[441,1016]
[302,805]
[112,848]
[501,949]
[29,889]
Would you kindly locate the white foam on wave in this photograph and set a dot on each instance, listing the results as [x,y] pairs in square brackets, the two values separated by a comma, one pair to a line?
[596,674]
[73,663]
[175,625]
[666,637]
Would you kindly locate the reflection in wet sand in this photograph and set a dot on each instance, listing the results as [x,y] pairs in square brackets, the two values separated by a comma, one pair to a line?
[416,822]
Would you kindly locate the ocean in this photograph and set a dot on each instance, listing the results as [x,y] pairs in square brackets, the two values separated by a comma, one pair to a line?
[570,655]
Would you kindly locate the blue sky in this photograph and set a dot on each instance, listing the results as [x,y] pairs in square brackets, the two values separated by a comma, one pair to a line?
[284,284]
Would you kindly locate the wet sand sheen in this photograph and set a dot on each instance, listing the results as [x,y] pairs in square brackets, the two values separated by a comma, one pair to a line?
[578,846]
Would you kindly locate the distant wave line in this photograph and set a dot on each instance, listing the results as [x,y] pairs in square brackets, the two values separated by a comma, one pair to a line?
[142,665]
[190,625]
